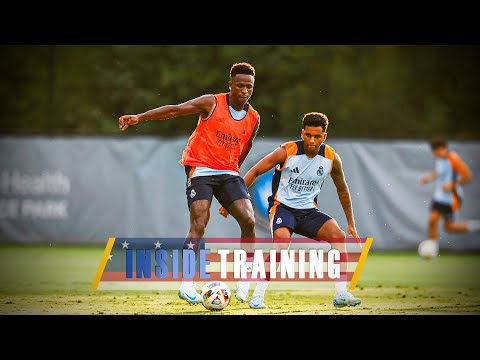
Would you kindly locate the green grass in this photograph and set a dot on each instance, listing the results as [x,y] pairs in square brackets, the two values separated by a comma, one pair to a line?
[57,280]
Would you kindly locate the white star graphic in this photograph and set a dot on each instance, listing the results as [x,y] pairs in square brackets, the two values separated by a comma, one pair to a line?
[125,245]
[157,245]
[110,257]
[190,245]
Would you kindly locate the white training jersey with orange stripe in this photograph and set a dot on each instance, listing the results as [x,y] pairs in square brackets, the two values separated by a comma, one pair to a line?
[448,169]
[298,181]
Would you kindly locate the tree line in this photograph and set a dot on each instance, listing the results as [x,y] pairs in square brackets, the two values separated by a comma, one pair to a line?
[367,91]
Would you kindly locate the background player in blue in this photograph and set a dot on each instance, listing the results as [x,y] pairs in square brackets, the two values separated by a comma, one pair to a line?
[450,174]
[301,167]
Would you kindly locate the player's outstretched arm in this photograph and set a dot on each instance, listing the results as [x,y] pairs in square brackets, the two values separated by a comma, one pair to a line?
[428,177]
[200,105]
[278,156]
[338,177]
[461,168]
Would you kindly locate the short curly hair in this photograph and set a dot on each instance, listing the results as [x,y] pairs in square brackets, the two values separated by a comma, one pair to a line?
[242,68]
[438,142]
[315,119]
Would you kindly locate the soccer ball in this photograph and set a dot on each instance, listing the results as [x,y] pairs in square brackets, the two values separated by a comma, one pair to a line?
[216,295]
[428,249]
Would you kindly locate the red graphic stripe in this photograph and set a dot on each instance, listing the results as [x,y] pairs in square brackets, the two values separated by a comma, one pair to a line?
[349,240]
[121,276]
[344,257]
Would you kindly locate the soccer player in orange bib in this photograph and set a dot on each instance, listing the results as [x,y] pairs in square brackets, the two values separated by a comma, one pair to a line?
[301,168]
[226,128]
[450,174]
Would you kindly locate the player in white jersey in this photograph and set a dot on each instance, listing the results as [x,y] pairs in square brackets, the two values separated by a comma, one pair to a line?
[450,174]
[301,167]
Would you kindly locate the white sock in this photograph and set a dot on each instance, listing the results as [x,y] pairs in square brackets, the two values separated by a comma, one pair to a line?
[249,264]
[340,287]
[187,283]
[260,288]
[473,225]
[243,285]
[435,242]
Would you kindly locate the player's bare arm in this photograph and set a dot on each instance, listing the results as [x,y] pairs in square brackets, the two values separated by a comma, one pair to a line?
[200,105]
[462,180]
[464,171]
[343,192]
[278,156]
[424,179]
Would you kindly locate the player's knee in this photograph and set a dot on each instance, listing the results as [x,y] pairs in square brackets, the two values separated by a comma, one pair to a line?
[339,240]
[247,223]
[339,235]
[433,220]
[448,226]
[198,229]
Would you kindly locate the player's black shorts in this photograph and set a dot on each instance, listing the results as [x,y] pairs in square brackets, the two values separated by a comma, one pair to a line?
[445,210]
[304,222]
[226,188]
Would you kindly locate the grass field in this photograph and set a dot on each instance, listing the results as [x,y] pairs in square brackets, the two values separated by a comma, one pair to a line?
[57,280]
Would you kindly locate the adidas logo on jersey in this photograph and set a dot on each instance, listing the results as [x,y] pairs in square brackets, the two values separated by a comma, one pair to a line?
[295,170]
